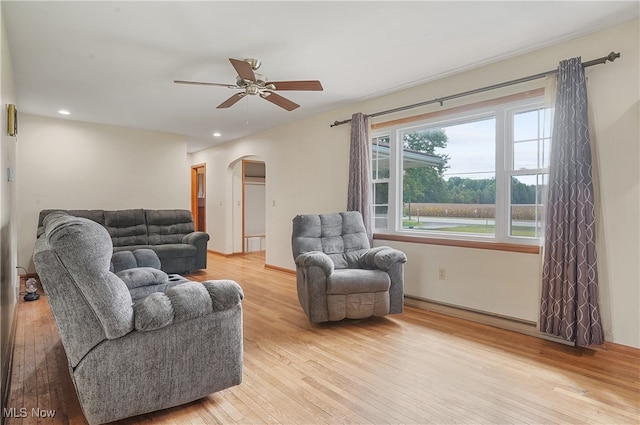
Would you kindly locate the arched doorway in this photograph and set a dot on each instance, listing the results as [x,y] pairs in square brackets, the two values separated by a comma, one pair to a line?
[248,180]
[254,201]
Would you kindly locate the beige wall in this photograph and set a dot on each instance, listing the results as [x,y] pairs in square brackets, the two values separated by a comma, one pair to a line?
[74,165]
[307,172]
[8,215]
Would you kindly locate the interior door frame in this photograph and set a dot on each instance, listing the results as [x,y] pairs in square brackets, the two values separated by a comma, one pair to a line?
[244,163]
[194,195]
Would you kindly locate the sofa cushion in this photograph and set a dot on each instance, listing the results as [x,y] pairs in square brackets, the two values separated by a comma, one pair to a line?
[142,292]
[168,226]
[174,250]
[349,281]
[126,227]
[143,276]
[129,259]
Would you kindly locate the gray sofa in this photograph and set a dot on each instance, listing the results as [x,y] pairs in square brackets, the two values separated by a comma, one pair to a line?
[127,359]
[170,233]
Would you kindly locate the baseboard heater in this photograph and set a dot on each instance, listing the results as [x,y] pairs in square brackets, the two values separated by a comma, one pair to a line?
[513,324]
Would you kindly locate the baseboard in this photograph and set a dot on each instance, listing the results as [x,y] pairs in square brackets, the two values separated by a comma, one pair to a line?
[8,367]
[497,321]
[222,254]
[280,269]
[211,251]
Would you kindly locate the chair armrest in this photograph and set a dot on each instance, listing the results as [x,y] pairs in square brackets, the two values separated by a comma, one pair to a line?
[194,238]
[315,258]
[383,257]
[184,302]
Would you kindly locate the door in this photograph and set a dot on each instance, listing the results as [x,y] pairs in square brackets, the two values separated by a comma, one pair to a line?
[198,196]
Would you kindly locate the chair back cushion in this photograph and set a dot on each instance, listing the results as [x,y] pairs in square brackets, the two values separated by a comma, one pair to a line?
[82,249]
[341,236]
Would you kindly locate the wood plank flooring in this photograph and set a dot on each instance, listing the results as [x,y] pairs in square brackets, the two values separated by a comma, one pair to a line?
[415,368]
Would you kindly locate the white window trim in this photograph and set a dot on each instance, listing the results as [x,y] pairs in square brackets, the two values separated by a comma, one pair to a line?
[504,159]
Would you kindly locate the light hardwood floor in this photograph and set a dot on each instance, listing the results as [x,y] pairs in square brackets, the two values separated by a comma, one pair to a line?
[417,367]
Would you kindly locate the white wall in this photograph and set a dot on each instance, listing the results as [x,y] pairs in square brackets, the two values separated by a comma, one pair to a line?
[8,212]
[304,160]
[255,202]
[307,163]
[74,165]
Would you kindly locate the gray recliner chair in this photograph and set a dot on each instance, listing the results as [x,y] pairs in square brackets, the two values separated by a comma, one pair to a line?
[125,359]
[339,275]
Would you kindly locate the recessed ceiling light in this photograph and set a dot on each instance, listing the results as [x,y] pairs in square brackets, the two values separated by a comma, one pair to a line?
[64,112]
[217,134]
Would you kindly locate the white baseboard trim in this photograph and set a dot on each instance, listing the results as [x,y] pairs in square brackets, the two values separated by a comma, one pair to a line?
[497,321]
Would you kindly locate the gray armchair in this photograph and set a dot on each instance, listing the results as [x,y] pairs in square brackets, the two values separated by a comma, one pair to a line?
[128,358]
[338,275]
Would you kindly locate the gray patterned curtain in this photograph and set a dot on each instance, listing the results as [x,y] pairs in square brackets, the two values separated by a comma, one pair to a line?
[359,190]
[569,305]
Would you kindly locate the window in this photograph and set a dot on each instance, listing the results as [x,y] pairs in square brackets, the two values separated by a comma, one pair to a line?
[380,169]
[478,175]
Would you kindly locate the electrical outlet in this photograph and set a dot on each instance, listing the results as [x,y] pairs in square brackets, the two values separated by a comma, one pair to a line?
[442,274]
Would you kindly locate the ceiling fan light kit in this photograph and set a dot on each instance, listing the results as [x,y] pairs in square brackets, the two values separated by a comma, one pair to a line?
[253,84]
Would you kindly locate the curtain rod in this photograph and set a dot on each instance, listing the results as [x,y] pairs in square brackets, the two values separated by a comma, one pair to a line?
[610,57]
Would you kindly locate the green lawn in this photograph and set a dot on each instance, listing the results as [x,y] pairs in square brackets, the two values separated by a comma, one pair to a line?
[489,229]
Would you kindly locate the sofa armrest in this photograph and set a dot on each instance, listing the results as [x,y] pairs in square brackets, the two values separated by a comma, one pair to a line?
[382,257]
[184,302]
[194,238]
[315,258]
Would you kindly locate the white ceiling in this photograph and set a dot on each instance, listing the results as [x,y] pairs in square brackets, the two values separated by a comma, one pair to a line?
[115,62]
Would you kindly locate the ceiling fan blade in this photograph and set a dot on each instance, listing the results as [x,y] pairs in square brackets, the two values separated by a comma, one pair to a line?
[308,85]
[231,101]
[276,99]
[243,69]
[199,83]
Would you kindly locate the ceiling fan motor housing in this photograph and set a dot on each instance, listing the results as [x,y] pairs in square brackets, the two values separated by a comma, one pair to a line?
[255,63]
[261,81]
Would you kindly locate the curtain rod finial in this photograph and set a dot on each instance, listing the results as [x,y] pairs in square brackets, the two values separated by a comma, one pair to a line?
[613,56]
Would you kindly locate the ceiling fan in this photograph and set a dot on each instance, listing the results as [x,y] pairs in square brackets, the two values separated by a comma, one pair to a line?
[252,83]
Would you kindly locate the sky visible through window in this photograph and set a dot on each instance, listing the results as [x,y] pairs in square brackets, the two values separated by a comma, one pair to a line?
[471,149]
[471,146]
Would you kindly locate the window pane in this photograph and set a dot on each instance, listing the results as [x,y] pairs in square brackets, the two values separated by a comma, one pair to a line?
[525,155]
[448,178]
[527,197]
[525,126]
[381,205]
[380,157]
[381,216]
[531,139]
[381,193]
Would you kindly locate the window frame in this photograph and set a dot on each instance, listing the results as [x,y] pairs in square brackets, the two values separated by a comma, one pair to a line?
[504,114]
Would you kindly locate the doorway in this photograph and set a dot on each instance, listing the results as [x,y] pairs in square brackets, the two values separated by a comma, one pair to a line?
[198,196]
[254,206]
